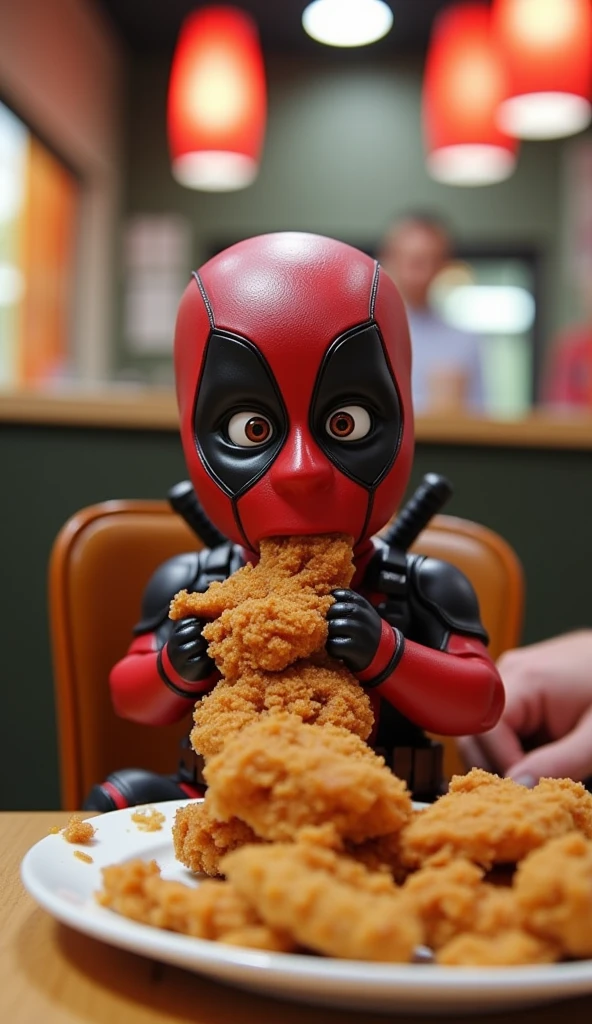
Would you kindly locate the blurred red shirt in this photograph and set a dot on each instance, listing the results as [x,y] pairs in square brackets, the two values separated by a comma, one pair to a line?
[569,376]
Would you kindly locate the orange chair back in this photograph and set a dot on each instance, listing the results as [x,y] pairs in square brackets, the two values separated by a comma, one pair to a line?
[493,568]
[100,564]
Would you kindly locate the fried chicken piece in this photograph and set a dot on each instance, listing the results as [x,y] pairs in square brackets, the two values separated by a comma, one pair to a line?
[280,775]
[553,888]
[489,820]
[573,796]
[319,563]
[268,633]
[514,948]
[270,615]
[319,690]
[381,853]
[201,840]
[497,936]
[469,922]
[477,778]
[326,901]
[213,911]
[445,899]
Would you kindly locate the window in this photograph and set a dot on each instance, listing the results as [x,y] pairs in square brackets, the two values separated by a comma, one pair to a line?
[39,200]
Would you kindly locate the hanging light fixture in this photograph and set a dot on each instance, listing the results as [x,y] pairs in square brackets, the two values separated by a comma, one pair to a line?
[463,86]
[546,46]
[216,101]
[347,22]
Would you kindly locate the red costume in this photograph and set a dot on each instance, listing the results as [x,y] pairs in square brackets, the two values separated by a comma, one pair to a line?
[292,363]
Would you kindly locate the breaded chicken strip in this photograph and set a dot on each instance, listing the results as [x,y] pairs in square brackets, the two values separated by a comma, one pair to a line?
[214,910]
[490,820]
[469,922]
[326,901]
[445,898]
[553,888]
[270,615]
[201,840]
[512,948]
[280,775]
[317,690]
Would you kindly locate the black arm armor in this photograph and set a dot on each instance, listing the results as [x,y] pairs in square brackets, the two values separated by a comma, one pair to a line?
[442,602]
[194,572]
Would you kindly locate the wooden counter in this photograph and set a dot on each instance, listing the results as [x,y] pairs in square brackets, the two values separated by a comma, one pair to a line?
[156,409]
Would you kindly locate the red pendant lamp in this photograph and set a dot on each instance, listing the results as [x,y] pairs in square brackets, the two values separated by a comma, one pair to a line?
[546,46]
[217,101]
[462,89]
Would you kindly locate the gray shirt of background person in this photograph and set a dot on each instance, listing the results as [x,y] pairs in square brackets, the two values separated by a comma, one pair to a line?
[437,344]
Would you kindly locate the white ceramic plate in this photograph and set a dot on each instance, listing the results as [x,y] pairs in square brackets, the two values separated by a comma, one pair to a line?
[64,885]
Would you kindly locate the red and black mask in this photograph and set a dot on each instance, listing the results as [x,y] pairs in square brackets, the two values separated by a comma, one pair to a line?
[292,364]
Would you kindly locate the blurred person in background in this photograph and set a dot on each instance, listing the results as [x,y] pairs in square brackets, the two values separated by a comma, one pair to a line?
[447,372]
[546,727]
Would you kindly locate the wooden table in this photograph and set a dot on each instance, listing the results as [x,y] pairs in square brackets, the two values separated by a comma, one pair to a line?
[52,975]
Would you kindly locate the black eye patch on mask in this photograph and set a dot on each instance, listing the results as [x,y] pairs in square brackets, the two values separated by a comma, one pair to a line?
[355,371]
[236,378]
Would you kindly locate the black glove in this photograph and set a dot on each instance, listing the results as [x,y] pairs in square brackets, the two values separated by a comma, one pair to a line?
[355,628]
[188,651]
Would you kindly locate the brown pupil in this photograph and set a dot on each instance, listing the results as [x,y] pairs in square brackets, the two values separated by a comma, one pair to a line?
[257,429]
[342,424]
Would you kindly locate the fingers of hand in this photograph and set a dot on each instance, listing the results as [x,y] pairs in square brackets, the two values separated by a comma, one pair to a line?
[568,757]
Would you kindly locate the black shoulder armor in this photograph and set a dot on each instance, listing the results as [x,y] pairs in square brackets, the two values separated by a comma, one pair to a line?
[445,592]
[193,571]
[178,573]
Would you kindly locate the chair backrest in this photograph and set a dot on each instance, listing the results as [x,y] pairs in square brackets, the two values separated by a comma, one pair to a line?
[100,564]
[494,569]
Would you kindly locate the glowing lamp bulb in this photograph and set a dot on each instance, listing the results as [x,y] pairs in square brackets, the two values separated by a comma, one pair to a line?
[347,22]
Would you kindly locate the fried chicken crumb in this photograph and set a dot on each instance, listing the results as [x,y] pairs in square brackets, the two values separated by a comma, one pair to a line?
[77,831]
[150,819]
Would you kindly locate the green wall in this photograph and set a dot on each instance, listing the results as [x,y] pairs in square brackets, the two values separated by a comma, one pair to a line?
[539,500]
[344,153]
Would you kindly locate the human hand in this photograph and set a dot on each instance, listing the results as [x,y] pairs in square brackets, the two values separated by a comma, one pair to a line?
[355,628]
[188,651]
[546,726]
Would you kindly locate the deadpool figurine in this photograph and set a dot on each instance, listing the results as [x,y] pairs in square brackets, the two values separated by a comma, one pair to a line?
[292,367]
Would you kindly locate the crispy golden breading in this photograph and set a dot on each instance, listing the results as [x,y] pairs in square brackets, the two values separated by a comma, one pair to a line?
[280,775]
[511,948]
[326,901]
[488,820]
[149,819]
[267,633]
[553,888]
[214,910]
[477,778]
[381,853]
[201,840]
[77,831]
[319,563]
[317,690]
[574,797]
[269,616]
[445,899]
